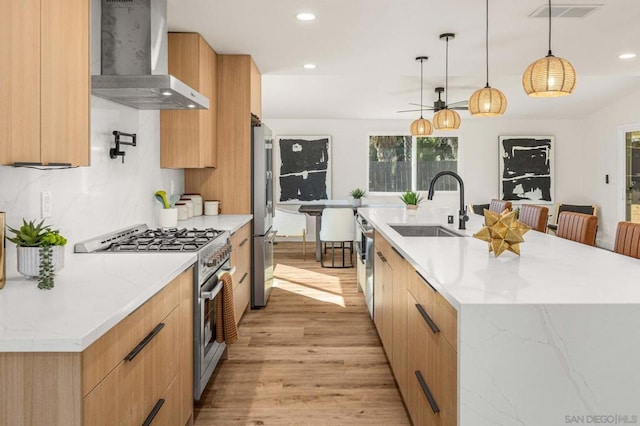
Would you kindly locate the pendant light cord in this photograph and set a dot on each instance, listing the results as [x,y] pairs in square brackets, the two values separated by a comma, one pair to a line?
[486,42]
[549,54]
[421,60]
[446,77]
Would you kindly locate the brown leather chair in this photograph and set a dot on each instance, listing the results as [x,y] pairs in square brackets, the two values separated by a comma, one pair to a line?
[498,206]
[628,239]
[578,227]
[534,216]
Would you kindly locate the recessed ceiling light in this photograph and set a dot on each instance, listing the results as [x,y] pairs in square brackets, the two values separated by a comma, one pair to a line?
[306,16]
[627,56]
[191,106]
[166,93]
[309,66]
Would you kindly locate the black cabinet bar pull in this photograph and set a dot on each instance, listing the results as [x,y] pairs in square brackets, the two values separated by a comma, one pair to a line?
[243,277]
[427,393]
[432,325]
[131,355]
[243,242]
[397,252]
[153,412]
[379,253]
[426,282]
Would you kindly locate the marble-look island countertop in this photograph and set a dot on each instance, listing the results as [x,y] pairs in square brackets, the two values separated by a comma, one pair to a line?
[549,269]
[545,338]
[92,293]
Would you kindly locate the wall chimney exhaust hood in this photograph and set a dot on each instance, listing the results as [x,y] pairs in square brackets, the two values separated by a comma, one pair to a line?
[131,42]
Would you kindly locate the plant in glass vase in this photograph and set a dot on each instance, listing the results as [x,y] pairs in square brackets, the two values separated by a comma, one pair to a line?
[40,251]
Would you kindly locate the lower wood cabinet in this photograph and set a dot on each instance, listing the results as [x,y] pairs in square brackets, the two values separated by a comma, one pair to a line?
[241,259]
[418,329]
[141,369]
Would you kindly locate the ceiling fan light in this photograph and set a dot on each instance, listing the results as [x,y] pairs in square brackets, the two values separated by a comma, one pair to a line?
[446,119]
[548,77]
[421,127]
[487,102]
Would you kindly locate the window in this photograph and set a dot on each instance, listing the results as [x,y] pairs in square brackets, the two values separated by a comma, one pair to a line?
[403,163]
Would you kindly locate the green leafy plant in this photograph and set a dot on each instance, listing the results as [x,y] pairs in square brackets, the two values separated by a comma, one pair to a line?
[42,236]
[358,193]
[411,198]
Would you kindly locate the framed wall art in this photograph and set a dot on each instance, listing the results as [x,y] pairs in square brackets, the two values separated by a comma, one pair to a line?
[303,169]
[526,169]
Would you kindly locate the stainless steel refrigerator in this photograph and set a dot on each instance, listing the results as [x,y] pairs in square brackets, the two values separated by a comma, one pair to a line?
[262,208]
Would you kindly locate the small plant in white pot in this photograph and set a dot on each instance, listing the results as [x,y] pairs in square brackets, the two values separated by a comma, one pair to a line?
[411,200]
[40,251]
[357,195]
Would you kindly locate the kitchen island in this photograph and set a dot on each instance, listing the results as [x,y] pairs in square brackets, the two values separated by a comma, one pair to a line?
[546,338]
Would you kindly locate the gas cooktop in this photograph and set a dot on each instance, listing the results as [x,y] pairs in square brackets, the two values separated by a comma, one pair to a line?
[140,238]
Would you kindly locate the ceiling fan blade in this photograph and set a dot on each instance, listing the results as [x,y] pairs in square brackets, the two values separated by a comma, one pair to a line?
[423,106]
[409,110]
[459,103]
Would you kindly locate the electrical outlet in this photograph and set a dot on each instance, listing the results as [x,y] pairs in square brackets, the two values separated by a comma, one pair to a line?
[45,204]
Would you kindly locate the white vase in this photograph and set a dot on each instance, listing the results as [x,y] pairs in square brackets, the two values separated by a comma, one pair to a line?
[411,209]
[29,260]
[168,218]
[357,202]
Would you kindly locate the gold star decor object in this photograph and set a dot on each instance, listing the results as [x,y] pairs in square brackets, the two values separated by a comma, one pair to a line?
[502,231]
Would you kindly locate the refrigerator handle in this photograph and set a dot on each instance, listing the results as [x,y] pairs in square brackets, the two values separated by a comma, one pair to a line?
[271,236]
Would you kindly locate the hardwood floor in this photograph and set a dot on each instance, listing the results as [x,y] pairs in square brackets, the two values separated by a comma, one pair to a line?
[312,356]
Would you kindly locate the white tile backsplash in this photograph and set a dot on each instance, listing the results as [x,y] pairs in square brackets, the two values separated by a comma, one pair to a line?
[108,195]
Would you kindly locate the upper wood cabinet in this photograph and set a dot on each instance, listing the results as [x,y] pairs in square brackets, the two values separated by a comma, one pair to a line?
[188,139]
[44,82]
[256,90]
[230,182]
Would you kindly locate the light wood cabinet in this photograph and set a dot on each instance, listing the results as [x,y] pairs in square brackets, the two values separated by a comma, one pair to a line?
[44,82]
[401,273]
[241,259]
[432,359]
[256,90]
[188,139]
[230,181]
[116,380]
[383,294]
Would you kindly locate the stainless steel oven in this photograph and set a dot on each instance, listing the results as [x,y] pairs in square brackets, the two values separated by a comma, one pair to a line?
[365,261]
[207,350]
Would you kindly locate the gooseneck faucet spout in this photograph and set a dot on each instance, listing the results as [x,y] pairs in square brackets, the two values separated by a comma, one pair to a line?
[462,213]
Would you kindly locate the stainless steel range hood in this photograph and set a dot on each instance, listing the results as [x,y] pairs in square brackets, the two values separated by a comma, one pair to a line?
[132,47]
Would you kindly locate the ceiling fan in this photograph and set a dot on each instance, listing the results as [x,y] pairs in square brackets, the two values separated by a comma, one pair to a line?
[440,104]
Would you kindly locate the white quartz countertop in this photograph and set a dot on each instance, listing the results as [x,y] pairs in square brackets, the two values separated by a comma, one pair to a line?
[550,270]
[92,293]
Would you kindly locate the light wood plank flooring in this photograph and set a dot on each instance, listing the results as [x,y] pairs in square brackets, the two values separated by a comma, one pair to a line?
[311,357]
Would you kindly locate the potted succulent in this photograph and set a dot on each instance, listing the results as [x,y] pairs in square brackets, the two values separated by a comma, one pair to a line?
[357,195]
[40,251]
[411,200]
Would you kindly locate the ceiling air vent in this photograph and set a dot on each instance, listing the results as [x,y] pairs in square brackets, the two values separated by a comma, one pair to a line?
[565,11]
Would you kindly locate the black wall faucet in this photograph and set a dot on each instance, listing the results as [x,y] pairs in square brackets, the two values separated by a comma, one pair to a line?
[115,152]
[462,213]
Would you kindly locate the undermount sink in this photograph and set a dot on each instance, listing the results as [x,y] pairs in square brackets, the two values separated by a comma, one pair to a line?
[424,231]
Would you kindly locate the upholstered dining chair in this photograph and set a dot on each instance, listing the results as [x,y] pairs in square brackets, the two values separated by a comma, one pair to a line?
[628,239]
[338,227]
[498,206]
[578,227]
[536,217]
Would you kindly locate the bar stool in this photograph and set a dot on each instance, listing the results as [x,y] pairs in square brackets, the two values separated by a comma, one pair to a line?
[628,239]
[338,226]
[578,227]
[535,217]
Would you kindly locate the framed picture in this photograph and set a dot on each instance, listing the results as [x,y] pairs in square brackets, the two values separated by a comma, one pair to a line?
[526,169]
[303,169]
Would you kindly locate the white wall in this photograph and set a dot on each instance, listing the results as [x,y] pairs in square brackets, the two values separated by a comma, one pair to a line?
[108,195]
[478,154]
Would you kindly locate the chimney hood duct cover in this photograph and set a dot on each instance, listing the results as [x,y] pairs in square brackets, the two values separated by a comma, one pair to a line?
[133,58]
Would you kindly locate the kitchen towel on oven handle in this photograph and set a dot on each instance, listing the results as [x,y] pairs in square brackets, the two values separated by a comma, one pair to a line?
[226,329]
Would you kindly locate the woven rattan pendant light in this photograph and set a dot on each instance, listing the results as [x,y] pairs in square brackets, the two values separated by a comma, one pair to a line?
[549,76]
[487,102]
[446,119]
[421,126]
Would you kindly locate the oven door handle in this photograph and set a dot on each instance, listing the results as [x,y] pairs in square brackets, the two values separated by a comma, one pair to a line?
[206,295]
